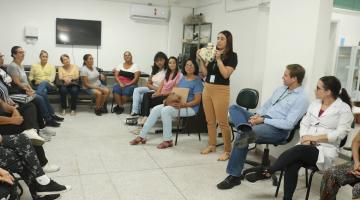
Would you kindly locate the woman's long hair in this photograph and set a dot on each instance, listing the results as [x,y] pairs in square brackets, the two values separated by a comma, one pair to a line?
[229,43]
[333,84]
[159,55]
[168,70]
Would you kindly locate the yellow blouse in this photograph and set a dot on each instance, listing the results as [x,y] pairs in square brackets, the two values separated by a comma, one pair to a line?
[72,73]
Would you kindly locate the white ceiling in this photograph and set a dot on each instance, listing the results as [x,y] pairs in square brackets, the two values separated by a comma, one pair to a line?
[182,3]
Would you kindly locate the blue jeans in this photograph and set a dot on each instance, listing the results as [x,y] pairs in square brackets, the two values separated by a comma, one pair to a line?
[126,91]
[43,88]
[265,134]
[167,113]
[137,98]
[45,108]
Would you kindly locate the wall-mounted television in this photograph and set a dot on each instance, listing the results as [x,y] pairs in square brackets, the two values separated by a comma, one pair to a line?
[78,32]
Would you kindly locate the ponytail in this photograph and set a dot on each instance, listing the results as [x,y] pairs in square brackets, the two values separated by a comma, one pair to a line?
[344,96]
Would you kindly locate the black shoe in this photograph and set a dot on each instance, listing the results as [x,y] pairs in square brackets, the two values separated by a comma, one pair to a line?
[52,123]
[98,112]
[57,118]
[244,127]
[119,110]
[104,109]
[256,176]
[48,197]
[229,183]
[51,188]
[134,114]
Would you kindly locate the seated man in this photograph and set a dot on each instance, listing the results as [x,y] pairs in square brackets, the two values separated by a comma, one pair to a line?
[348,173]
[271,123]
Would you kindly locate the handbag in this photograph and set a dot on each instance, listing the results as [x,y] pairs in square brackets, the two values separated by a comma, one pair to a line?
[22,98]
[172,99]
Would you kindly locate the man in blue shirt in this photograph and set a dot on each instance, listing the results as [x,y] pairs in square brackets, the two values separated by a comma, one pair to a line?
[271,123]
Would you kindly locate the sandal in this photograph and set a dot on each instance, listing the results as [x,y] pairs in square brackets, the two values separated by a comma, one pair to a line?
[224,156]
[138,140]
[136,131]
[131,121]
[208,149]
[258,175]
[165,144]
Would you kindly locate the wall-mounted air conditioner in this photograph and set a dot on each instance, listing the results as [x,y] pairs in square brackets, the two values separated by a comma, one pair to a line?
[145,12]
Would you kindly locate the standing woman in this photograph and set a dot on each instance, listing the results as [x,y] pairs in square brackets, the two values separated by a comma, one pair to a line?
[217,92]
[69,83]
[91,82]
[126,75]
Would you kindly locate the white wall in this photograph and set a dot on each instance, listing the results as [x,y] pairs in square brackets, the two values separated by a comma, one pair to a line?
[119,32]
[249,30]
[349,26]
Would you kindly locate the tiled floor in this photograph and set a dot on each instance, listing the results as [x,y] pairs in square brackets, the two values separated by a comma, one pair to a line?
[98,162]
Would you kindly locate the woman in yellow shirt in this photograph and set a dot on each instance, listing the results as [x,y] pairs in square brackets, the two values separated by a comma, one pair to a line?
[68,83]
[42,75]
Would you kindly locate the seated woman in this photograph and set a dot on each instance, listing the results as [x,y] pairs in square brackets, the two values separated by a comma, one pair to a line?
[68,83]
[18,75]
[126,75]
[23,119]
[5,86]
[42,75]
[18,156]
[157,75]
[327,121]
[191,81]
[348,173]
[172,78]
[91,82]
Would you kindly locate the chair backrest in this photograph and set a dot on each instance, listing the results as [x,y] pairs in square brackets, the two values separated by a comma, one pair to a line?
[248,98]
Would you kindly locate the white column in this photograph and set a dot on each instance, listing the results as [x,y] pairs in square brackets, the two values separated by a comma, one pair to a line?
[298,33]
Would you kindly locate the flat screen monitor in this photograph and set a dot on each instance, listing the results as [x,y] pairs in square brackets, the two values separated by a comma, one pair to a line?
[78,32]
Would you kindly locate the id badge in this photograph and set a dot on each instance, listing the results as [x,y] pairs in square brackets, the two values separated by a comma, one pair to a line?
[212,78]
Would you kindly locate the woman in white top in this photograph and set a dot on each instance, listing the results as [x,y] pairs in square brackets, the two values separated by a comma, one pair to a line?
[327,121]
[91,82]
[126,75]
[157,75]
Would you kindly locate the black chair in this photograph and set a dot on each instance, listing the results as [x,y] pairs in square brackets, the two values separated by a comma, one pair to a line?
[308,180]
[265,161]
[247,98]
[192,124]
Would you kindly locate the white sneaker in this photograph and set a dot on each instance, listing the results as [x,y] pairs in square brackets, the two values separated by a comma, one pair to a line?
[47,138]
[49,168]
[72,113]
[48,131]
[34,137]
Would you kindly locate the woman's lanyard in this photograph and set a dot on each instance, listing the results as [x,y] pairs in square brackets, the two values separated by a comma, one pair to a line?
[282,96]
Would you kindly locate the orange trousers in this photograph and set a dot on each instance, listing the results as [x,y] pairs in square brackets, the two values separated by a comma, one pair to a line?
[216,104]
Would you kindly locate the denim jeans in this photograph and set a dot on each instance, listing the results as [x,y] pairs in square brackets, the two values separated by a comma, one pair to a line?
[137,98]
[167,113]
[73,90]
[265,134]
[45,108]
[43,88]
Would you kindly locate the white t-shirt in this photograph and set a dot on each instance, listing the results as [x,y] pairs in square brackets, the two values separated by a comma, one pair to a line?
[158,77]
[92,75]
[134,68]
